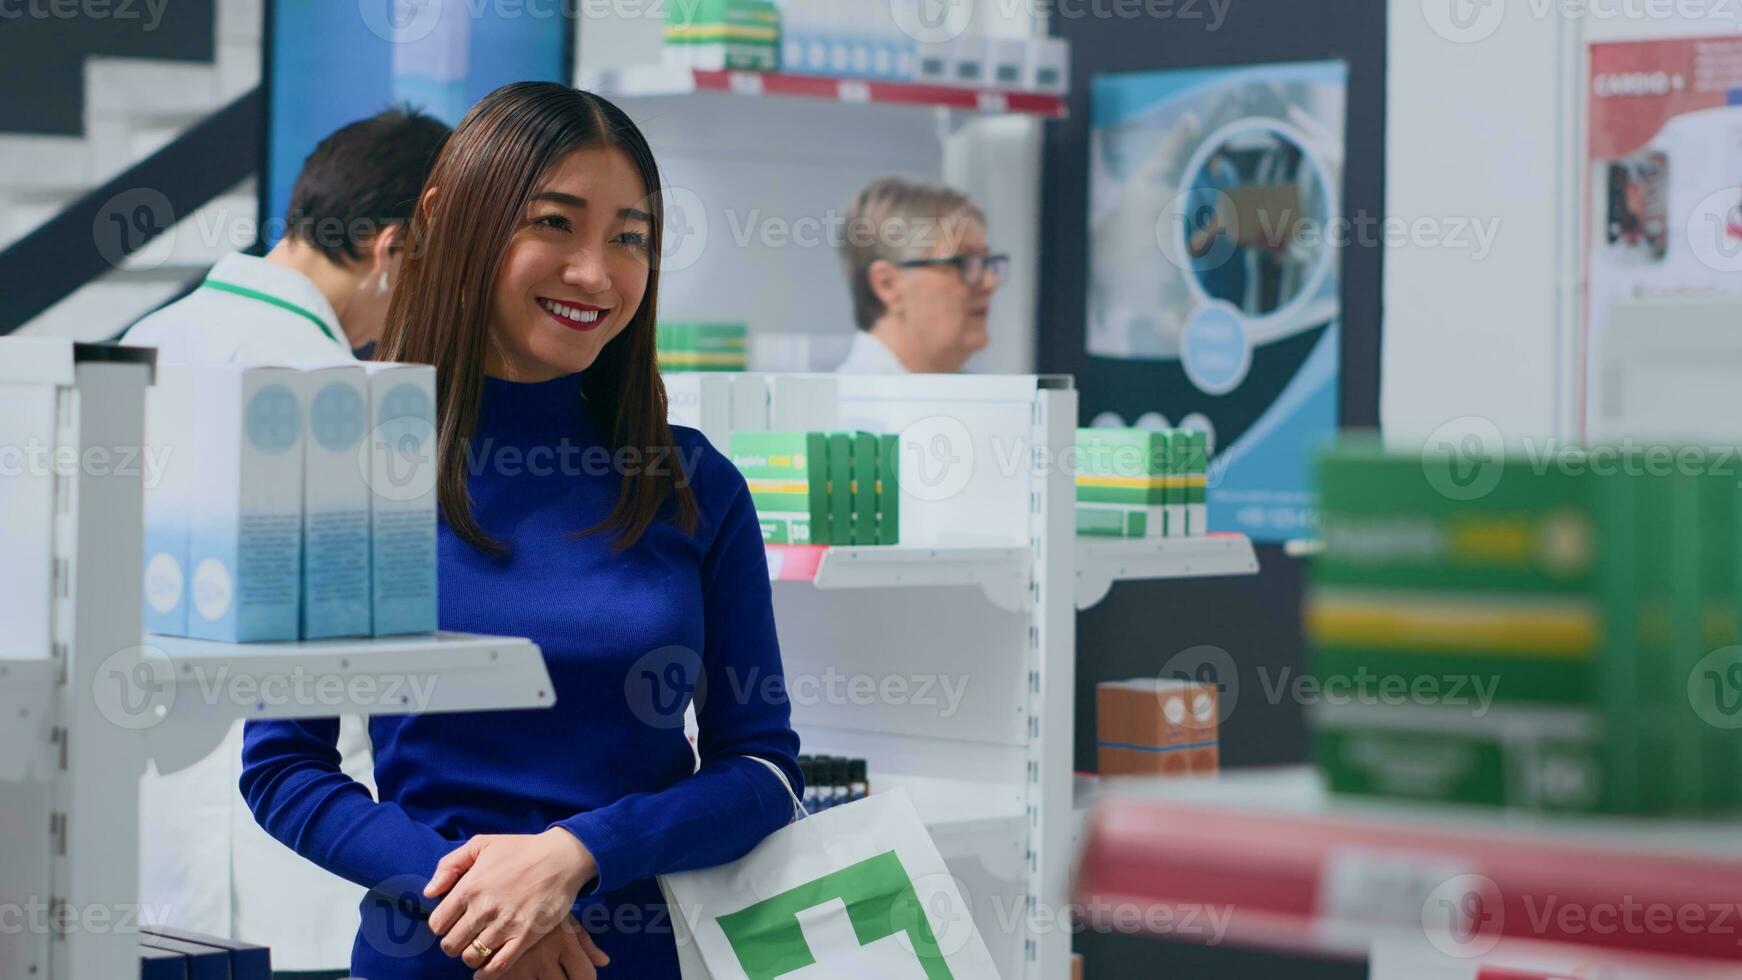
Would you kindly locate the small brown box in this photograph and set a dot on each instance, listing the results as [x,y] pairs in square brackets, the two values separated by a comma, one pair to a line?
[1155,726]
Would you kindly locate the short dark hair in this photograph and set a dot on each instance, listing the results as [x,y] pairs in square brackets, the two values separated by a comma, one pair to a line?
[362,178]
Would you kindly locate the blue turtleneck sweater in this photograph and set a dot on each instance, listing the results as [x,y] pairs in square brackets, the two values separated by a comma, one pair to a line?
[627,638]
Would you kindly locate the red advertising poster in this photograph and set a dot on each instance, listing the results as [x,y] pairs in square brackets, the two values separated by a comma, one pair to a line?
[1663,216]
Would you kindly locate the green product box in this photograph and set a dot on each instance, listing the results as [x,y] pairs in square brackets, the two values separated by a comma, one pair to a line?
[684,346]
[1121,466]
[840,470]
[1415,583]
[1651,603]
[822,522]
[1118,521]
[1197,483]
[1530,759]
[889,490]
[1409,521]
[1179,457]
[701,21]
[864,489]
[1678,730]
[719,338]
[1607,592]
[1715,681]
[725,35]
[784,473]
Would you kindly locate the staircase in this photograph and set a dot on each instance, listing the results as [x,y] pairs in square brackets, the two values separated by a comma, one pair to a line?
[84,100]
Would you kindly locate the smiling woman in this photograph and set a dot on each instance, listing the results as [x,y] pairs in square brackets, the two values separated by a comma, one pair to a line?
[531,284]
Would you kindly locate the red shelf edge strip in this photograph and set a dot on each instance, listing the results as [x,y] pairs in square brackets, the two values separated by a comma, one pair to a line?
[888,93]
[1266,871]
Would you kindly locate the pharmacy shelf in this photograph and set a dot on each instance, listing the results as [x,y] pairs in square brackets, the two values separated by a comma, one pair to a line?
[955,805]
[1299,870]
[27,690]
[670,80]
[1001,571]
[1101,562]
[200,687]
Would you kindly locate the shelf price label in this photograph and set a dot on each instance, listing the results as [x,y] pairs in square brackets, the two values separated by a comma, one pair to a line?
[1460,912]
[993,102]
[854,92]
[744,83]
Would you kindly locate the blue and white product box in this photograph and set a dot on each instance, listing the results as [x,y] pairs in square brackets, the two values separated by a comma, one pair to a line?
[335,504]
[1007,62]
[168,476]
[245,532]
[403,456]
[1049,65]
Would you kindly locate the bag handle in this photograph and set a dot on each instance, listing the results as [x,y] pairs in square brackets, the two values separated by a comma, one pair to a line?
[799,812]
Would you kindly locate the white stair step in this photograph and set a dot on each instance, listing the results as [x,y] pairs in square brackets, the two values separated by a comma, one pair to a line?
[241,20]
[102,308]
[238,66]
[225,225]
[146,87]
[44,163]
[21,215]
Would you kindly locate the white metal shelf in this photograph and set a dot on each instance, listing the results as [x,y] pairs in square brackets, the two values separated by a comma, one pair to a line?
[27,692]
[1101,562]
[95,697]
[658,80]
[951,805]
[1304,871]
[965,705]
[1001,571]
[200,687]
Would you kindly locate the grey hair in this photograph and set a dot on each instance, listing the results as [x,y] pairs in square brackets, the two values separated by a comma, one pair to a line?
[897,219]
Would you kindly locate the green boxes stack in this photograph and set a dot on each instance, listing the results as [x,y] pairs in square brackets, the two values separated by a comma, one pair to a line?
[1141,483]
[721,35]
[788,477]
[1526,643]
[823,488]
[702,346]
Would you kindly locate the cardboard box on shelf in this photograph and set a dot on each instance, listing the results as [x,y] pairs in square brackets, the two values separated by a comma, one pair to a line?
[1156,726]
[336,507]
[245,533]
[787,473]
[402,482]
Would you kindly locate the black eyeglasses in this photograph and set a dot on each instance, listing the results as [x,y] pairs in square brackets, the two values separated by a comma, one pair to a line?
[972,268]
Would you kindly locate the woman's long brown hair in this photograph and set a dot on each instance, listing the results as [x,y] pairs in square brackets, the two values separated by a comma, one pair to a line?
[485,176]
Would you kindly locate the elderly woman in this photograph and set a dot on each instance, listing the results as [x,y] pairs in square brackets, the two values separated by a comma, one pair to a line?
[922,278]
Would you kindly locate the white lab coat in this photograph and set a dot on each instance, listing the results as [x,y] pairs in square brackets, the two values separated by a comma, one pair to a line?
[205,864]
[868,355]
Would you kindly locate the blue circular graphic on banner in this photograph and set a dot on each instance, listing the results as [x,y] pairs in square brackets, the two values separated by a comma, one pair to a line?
[336,416]
[273,419]
[1215,350]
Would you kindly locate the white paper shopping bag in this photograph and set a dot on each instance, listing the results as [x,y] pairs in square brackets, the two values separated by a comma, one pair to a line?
[857,892]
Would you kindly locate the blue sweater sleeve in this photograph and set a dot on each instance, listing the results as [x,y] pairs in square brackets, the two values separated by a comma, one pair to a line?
[732,802]
[298,794]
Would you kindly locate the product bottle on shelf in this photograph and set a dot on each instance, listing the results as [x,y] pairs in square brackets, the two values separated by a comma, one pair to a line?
[858,787]
[838,778]
[807,770]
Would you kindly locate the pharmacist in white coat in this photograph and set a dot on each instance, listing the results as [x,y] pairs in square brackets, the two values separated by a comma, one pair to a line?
[323,291]
[921,276]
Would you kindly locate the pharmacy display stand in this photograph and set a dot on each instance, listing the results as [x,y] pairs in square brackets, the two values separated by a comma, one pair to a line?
[1455,892]
[86,700]
[949,661]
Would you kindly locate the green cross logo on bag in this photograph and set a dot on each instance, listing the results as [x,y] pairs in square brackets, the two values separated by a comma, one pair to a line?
[780,935]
